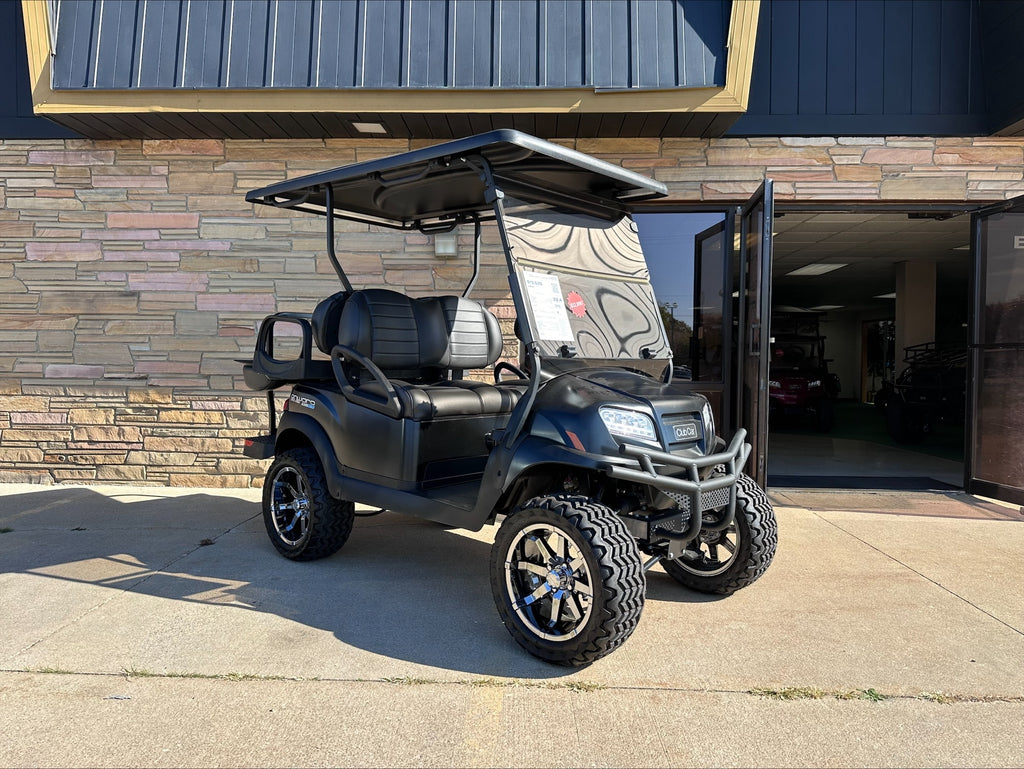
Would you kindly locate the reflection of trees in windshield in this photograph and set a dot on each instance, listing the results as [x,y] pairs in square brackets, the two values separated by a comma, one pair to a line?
[679,333]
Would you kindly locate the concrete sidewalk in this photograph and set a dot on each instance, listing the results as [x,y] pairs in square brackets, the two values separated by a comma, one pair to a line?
[158,627]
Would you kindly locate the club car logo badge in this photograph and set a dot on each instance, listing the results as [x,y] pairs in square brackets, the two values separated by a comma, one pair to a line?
[306,403]
[685,432]
[576,304]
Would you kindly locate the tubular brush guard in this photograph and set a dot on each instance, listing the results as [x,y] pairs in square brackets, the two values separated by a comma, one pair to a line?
[693,489]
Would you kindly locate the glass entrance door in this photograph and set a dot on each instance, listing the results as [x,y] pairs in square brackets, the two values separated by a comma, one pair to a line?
[994,464]
[752,338]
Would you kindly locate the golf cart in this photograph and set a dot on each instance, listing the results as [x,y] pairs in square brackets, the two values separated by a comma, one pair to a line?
[596,464]
[930,391]
[799,382]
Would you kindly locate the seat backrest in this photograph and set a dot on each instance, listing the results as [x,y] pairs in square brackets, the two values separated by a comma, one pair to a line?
[474,336]
[325,320]
[416,338]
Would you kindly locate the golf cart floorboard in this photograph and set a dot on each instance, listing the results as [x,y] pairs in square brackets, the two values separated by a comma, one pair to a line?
[463,494]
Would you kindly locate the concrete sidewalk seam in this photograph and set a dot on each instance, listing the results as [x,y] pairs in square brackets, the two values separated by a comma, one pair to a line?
[921,575]
[782,693]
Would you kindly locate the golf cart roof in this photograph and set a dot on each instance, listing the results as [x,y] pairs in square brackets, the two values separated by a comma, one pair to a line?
[436,187]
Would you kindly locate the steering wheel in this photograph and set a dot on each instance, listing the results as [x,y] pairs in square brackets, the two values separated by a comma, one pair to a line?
[504,365]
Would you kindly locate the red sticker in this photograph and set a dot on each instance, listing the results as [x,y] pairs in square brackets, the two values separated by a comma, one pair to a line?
[576,304]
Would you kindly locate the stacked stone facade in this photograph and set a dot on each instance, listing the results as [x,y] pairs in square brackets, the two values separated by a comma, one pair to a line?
[134,276]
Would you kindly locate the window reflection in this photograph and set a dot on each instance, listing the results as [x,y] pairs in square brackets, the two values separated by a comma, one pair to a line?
[685,253]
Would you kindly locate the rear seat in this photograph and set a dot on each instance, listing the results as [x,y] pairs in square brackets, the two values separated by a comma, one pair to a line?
[423,346]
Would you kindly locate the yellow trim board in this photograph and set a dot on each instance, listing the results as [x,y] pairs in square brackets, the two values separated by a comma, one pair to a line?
[733,97]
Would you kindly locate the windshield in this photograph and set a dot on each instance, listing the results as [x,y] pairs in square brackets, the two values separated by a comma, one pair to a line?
[585,285]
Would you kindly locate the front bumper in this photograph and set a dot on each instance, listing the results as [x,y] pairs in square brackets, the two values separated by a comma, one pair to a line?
[696,494]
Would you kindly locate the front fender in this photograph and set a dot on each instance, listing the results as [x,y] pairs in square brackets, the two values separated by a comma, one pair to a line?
[532,451]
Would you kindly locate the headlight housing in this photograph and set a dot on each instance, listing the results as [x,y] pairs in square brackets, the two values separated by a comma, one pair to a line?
[707,416]
[775,384]
[629,424]
[814,383]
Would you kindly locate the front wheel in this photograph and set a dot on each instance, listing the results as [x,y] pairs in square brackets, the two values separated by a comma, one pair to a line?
[722,562]
[567,579]
[302,519]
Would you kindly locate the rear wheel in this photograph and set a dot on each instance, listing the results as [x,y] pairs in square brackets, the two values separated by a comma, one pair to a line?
[567,579]
[722,562]
[302,519]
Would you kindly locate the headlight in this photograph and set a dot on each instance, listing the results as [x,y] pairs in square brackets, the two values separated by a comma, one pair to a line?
[776,385]
[708,418]
[628,424]
[814,383]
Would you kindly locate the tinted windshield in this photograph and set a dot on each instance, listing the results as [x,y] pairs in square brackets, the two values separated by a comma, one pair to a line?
[585,285]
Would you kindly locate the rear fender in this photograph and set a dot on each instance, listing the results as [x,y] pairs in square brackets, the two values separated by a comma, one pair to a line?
[301,430]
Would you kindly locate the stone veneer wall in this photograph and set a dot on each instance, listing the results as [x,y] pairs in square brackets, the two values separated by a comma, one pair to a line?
[133,274]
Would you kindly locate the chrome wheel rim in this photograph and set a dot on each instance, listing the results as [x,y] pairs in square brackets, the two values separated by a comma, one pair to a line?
[712,553]
[548,583]
[289,506]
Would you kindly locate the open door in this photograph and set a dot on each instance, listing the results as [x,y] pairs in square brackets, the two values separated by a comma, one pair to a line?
[754,259]
[711,344]
[994,456]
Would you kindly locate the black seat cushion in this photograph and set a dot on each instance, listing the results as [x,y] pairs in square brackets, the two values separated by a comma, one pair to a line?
[448,399]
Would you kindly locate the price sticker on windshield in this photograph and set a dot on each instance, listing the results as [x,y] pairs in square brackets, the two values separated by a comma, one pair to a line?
[549,313]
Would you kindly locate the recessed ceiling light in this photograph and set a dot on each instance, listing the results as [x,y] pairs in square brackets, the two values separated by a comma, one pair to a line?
[826,307]
[817,269]
[369,128]
[886,296]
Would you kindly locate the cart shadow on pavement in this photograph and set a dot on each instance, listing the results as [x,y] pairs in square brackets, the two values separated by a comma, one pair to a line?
[401,588]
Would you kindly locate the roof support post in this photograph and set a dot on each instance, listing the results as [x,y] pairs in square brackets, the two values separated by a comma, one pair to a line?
[329,198]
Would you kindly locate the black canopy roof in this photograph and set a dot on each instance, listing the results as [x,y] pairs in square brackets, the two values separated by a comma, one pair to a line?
[438,186]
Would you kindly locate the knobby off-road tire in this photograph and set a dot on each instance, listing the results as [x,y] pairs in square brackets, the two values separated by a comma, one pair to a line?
[567,579]
[729,560]
[303,520]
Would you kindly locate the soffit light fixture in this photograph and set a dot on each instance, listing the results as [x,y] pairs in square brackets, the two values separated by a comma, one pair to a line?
[369,128]
[816,269]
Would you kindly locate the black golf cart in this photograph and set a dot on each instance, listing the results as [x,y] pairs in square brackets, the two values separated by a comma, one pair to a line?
[598,465]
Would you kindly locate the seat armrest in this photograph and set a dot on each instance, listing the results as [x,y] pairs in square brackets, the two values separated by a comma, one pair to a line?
[389,405]
[267,372]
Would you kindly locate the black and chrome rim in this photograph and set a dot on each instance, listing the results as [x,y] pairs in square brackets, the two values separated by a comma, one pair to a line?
[289,506]
[548,582]
[712,553]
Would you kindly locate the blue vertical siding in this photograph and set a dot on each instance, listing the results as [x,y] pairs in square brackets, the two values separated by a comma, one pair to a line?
[867,67]
[165,44]
[17,120]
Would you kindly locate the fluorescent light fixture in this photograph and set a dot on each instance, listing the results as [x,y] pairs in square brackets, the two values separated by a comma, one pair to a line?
[827,307]
[369,128]
[886,296]
[817,269]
